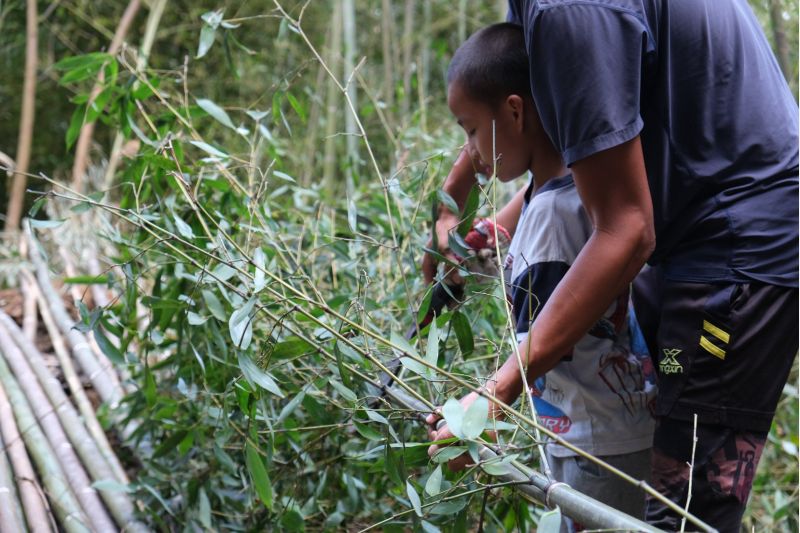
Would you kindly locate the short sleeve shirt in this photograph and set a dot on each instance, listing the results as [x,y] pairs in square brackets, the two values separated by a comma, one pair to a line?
[697,81]
[600,396]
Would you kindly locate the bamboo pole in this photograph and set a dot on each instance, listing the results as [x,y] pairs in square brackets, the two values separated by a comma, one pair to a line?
[75,292]
[584,509]
[334,54]
[46,413]
[349,28]
[34,503]
[11,518]
[100,377]
[67,509]
[17,197]
[76,388]
[87,448]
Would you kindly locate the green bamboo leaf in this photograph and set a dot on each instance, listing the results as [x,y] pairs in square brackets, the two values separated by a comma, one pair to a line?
[432,349]
[463,333]
[240,325]
[448,201]
[209,149]
[258,474]
[204,509]
[45,224]
[214,305]
[550,522]
[183,228]
[411,364]
[475,418]
[444,455]
[434,484]
[207,34]
[346,393]
[110,351]
[414,498]
[453,414]
[290,407]
[259,279]
[470,210]
[255,375]
[215,111]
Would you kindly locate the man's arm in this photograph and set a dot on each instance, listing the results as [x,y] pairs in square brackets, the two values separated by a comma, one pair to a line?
[613,188]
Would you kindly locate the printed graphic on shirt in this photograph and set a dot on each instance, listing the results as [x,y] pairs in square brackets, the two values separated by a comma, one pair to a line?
[669,362]
[628,376]
[550,416]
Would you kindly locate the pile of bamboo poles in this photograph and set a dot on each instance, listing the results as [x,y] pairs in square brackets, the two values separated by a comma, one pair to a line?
[57,468]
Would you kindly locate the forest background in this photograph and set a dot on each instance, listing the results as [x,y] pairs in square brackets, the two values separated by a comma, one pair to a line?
[261,175]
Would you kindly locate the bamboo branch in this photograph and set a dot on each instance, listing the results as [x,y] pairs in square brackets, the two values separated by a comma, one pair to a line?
[67,509]
[87,448]
[46,412]
[33,500]
[17,197]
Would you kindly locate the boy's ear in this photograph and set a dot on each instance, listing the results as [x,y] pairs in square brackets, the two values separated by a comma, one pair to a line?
[516,106]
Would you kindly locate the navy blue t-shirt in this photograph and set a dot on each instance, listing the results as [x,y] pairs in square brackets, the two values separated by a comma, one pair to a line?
[696,79]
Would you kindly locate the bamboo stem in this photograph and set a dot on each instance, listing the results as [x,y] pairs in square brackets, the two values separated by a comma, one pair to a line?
[87,448]
[46,412]
[67,509]
[11,518]
[34,503]
[76,388]
[100,377]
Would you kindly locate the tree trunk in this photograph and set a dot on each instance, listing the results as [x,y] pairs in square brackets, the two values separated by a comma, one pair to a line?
[332,96]
[779,34]
[349,27]
[16,199]
[87,130]
[408,42]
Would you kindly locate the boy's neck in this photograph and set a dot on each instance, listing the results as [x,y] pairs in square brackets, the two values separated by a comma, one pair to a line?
[547,165]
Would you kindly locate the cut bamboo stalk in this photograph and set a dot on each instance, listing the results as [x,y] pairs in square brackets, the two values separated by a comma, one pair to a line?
[90,454]
[46,413]
[105,362]
[11,518]
[29,322]
[34,503]
[64,502]
[100,377]
[76,388]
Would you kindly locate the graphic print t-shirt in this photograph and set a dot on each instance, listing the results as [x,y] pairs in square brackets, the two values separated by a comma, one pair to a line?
[599,397]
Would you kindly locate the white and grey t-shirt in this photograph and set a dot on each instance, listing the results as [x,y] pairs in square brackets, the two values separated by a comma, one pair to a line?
[600,396]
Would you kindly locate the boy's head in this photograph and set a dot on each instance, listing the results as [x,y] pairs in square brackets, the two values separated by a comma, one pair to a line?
[488,91]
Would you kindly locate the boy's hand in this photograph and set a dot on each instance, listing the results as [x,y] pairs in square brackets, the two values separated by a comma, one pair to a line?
[438,430]
[447,221]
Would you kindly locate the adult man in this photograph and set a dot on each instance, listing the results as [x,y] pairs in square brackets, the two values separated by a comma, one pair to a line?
[682,138]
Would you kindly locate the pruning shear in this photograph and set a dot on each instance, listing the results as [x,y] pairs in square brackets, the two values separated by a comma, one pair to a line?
[480,251]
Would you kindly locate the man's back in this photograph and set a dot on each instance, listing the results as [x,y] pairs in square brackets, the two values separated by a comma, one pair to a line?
[697,81]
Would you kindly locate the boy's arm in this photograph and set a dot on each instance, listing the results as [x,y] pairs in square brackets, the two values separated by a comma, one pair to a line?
[458,184]
[613,188]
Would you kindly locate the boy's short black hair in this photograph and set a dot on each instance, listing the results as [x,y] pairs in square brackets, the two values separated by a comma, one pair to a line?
[492,64]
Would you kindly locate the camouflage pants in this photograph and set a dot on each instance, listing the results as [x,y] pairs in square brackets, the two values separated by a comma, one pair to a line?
[725,463]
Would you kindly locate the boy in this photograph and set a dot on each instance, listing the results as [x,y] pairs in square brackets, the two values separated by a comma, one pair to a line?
[598,396]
